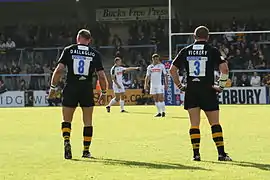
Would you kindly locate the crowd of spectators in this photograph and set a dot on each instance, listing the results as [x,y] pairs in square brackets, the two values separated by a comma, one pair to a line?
[243,51]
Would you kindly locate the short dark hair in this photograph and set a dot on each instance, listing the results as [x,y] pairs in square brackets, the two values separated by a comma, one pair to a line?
[85,34]
[118,54]
[117,59]
[201,32]
[155,55]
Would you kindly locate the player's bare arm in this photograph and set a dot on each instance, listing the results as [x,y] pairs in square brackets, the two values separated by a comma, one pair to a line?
[114,80]
[146,82]
[166,81]
[55,79]
[103,84]
[175,76]
[132,68]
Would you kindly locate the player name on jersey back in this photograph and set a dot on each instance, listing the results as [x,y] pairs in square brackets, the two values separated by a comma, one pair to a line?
[81,61]
[199,60]
[82,52]
[197,50]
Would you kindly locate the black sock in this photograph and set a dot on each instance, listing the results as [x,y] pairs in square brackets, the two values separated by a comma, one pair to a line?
[87,137]
[66,129]
[195,137]
[218,138]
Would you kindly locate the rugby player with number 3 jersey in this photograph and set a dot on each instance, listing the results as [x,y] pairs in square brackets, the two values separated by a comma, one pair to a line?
[157,75]
[200,60]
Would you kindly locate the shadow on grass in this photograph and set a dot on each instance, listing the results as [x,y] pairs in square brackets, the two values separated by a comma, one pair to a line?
[141,113]
[265,167]
[116,162]
[180,117]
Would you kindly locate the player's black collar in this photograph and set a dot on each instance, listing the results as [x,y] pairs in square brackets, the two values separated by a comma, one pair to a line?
[200,42]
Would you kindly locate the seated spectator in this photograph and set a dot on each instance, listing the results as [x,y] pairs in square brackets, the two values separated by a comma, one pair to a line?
[238,61]
[23,85]
[250,65]
[260,61]
[10,44]
[234,81]
[142,39]
[135,84]
[15,68]
[255,80]
[243,81]
[153,39]
[117,41]
[266,80]
[247,56]
[3,87]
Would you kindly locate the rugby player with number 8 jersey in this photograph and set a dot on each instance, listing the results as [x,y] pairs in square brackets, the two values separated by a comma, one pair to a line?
[81,62]
[200,60]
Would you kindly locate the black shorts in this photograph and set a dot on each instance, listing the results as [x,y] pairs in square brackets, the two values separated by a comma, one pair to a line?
[78,94]
[205,98]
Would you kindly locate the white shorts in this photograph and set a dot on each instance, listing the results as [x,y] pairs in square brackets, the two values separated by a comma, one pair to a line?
[157,90]
[118,90]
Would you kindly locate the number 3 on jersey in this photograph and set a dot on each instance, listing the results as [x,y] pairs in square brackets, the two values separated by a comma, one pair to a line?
[197,66]
[81,65]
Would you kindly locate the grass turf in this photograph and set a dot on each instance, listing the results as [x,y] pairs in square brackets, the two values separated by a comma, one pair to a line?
[133,145]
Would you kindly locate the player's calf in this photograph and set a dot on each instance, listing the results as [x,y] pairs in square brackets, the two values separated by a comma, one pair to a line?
[195,138]
[66,130]
[87,139]
[218,139]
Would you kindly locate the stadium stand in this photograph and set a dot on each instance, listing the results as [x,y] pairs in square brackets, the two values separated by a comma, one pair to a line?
[33,47]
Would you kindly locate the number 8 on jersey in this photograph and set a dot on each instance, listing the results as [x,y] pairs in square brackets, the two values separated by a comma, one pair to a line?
[81,65]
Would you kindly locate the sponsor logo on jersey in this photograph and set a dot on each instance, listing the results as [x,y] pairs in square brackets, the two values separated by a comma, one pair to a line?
[155,70]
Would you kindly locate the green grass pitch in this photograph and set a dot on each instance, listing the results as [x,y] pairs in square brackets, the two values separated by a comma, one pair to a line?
[133,146]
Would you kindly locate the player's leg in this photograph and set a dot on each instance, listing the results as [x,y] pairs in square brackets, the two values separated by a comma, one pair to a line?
[192,105]
[113,101]
[153,92]
[87,104]
[122,102]
[66,130]
[211,109]
[69,103]
[161,103]
[194,132]
[157,104]
[87,130]
[217,134]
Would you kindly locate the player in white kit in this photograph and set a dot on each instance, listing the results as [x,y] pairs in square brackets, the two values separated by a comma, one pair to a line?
[117,77]
[157,75]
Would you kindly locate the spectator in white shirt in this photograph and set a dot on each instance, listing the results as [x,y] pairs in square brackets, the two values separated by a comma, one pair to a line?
[255,80]
[10,44]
